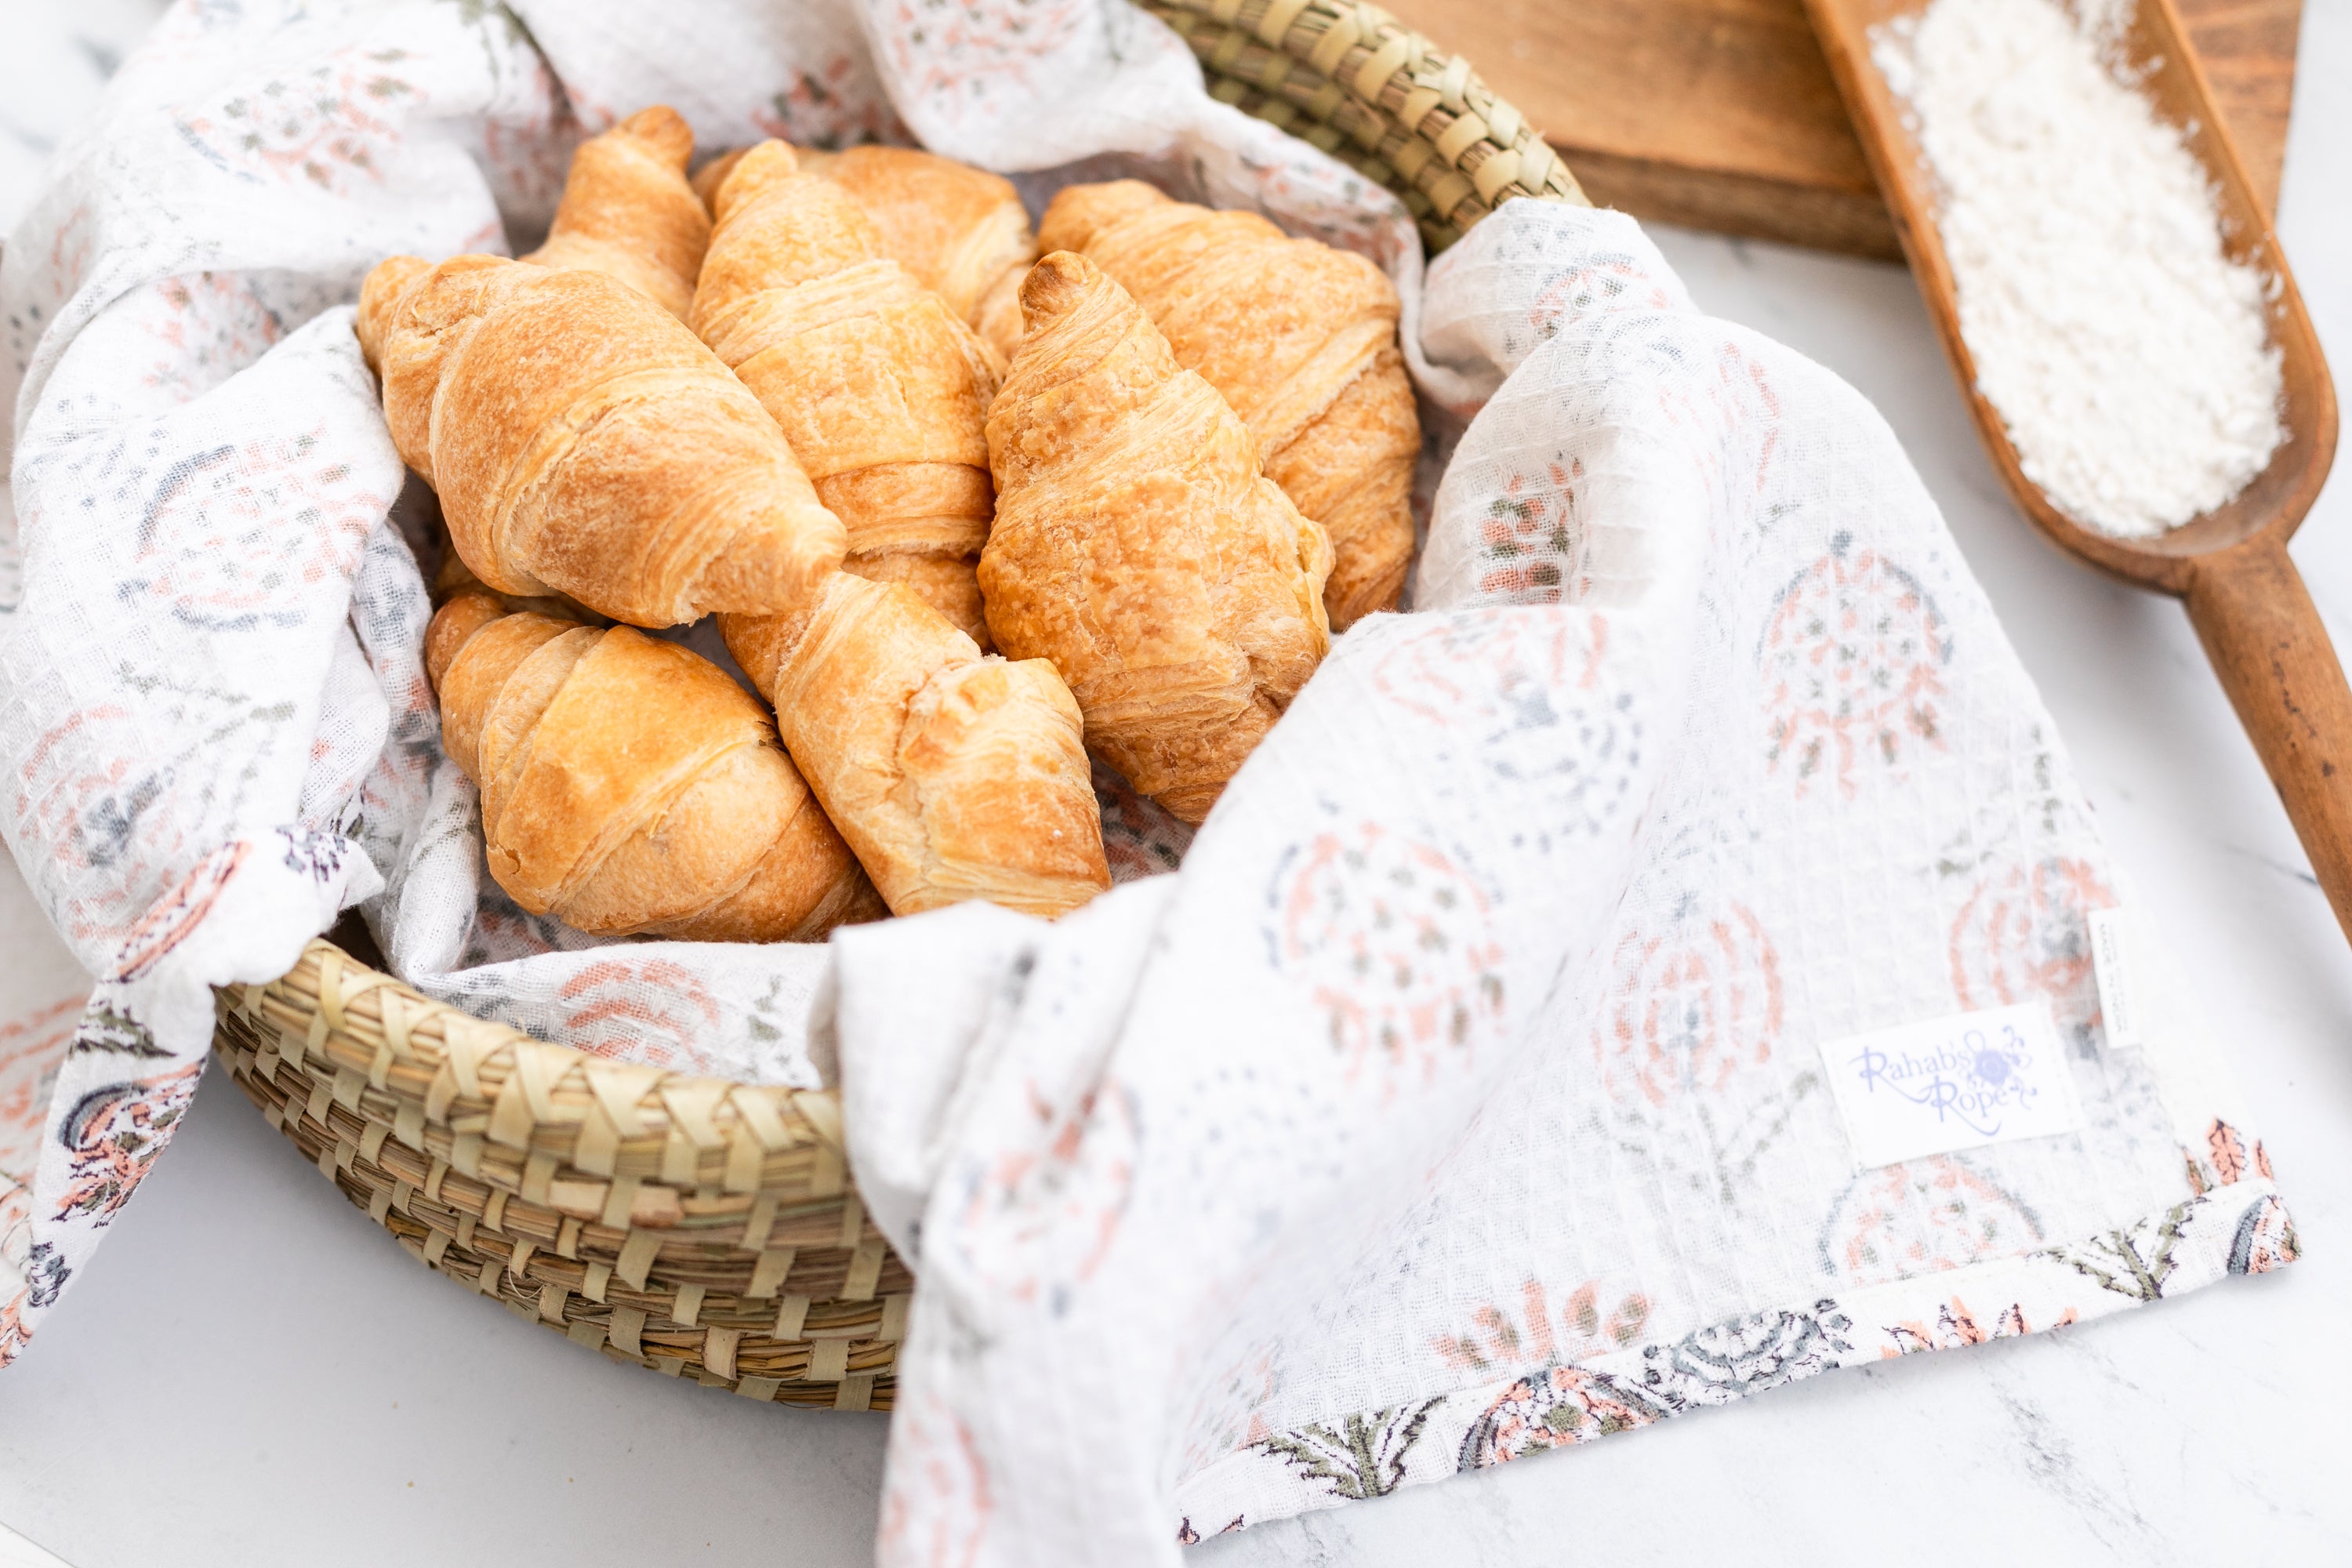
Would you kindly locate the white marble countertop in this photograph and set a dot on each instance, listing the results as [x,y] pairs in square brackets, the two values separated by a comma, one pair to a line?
[306,1392]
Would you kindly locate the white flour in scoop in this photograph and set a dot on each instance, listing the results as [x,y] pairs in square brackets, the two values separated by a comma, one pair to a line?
[2127,355]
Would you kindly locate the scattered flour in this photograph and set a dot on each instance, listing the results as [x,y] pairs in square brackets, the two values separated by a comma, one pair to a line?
[2127,355]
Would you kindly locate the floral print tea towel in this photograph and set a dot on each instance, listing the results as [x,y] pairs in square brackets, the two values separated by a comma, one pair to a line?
[1462,1095]
[1458,1097]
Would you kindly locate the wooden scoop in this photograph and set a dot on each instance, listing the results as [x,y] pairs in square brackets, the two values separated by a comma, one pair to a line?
[2251,610]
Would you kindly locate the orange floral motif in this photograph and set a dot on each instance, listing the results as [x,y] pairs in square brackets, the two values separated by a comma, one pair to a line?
[1393,943]
[1921,1217]
[1553,1408]
[2226,1159]
[1535,538]
[651,1013]
[1690,1010]
[179,913]
[112,1136]
[1852,662]
[1955,1326]
[1499,1341]
[2228,1151]
[2025,932]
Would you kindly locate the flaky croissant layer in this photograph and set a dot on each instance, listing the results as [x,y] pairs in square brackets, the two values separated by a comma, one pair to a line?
[1301,338]
[881,391]
[960,230]
[953,775]
[627,211]
[628,785]
[583,442]
[1138,547]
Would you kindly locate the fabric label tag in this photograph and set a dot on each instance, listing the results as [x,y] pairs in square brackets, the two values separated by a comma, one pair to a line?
[2111,958]
[1959,1082]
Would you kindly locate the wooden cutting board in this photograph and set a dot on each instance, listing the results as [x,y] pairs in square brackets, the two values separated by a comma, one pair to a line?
[1721,114]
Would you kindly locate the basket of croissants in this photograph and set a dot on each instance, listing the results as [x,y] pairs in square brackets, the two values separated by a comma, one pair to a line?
[974,508]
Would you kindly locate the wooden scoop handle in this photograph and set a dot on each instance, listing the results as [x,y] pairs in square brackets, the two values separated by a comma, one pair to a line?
[2264,636]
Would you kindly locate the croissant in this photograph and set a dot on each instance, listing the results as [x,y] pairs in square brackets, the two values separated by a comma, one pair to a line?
[882,392]
[630,786]
[1137,545]
[628,212]
[585,443]
[1301,340]
[960,230]
[953,776]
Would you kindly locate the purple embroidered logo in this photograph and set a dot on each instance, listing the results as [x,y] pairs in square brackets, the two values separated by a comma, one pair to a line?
[1952,1083]
[1975,1079]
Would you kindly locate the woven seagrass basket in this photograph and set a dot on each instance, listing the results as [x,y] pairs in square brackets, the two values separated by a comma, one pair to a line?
[706,1228]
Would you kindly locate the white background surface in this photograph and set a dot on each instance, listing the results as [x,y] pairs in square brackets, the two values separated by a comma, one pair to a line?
[305,1392]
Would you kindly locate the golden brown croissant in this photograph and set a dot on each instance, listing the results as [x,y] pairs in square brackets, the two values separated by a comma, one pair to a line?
[953,776]
[585,443]
[1137,545]
[629,785]
[960,230]
[454,577]
[881,391]
[628,212]
[1301,340]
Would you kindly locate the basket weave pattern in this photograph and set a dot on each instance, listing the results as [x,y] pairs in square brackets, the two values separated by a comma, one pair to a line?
[1354,82]
[688,1225]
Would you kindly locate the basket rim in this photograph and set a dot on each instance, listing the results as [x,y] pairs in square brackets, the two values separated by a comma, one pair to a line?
[1379,97]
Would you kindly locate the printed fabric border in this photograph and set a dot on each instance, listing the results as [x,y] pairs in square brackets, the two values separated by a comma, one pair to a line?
[2241,1227]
